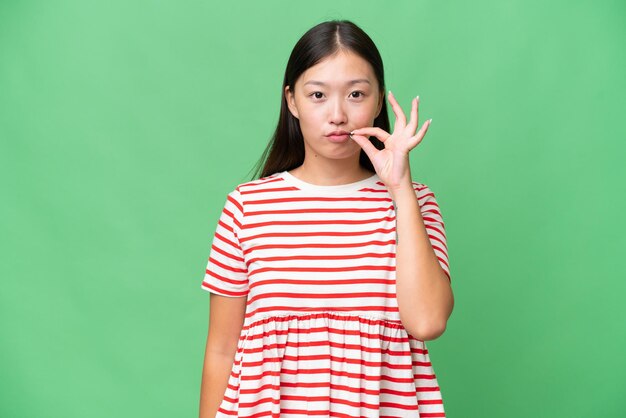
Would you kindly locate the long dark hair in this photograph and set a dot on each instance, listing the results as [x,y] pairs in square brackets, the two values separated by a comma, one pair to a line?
[286,148]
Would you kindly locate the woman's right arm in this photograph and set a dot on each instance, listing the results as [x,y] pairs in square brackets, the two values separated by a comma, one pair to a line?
[226,318]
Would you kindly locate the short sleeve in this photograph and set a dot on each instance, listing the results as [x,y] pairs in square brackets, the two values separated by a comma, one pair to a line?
[226,271]
[435,227]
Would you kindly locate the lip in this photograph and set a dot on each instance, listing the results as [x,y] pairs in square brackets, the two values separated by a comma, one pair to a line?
[338,136]
[338,133]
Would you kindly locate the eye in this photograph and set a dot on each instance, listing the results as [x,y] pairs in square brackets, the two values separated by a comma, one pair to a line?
[315,93]
[358,92]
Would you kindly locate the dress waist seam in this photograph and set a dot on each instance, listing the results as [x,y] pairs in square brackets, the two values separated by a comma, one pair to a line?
[330,314]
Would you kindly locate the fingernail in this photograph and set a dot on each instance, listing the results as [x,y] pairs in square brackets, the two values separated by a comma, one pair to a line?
[430,120]
[418,98]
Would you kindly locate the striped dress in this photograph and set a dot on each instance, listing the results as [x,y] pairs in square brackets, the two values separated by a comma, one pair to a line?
[322,334]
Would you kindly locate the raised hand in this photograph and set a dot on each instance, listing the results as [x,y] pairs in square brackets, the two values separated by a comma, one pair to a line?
[392,163]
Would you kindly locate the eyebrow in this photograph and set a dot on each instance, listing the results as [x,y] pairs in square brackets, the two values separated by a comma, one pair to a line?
[360,80]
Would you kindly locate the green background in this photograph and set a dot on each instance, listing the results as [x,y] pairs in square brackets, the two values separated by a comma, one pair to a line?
[123,124]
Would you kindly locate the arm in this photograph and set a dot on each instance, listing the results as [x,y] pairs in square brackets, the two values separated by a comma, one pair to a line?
[226,319]
[423,289]
[424,294]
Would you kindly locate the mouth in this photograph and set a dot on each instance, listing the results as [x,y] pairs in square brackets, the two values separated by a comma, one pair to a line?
[338,136]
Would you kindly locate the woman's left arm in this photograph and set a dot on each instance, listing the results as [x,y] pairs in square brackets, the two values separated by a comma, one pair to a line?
[423,291]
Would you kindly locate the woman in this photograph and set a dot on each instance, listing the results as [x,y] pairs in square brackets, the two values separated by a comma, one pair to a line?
[329,272]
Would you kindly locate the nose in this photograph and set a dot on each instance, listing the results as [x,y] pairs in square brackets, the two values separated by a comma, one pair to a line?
[337,111]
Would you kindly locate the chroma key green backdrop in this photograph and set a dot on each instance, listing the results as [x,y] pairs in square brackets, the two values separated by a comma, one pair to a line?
[123,125]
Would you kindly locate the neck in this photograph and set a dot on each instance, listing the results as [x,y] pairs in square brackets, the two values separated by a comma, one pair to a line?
[332,173]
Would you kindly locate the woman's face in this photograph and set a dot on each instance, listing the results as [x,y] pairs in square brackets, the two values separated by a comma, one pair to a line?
[340,93]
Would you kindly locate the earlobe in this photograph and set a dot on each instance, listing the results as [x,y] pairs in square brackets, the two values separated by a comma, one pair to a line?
[290,102]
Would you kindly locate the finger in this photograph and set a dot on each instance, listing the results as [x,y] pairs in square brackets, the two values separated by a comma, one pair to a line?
[400,122]
[367,146]
[413,122]
[420,135]
[379,133]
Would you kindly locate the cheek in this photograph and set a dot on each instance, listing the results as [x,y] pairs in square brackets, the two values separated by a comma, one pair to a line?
[365,115]
[311,118]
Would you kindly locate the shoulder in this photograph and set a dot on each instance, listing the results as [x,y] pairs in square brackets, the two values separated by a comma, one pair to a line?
[422,190]
[249,188]
[259,183]
[253,186]
[426,198]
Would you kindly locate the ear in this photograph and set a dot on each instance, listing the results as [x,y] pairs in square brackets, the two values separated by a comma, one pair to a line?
[291,102]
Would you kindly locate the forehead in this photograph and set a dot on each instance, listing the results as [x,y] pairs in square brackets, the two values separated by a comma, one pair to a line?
[341,69]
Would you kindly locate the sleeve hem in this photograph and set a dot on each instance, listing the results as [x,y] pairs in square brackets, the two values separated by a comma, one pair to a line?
[212,289]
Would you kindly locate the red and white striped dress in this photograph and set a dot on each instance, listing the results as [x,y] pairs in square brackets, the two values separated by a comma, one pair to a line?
[322,334]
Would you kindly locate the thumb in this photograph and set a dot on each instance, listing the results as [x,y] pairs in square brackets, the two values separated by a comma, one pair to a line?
[365,144]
